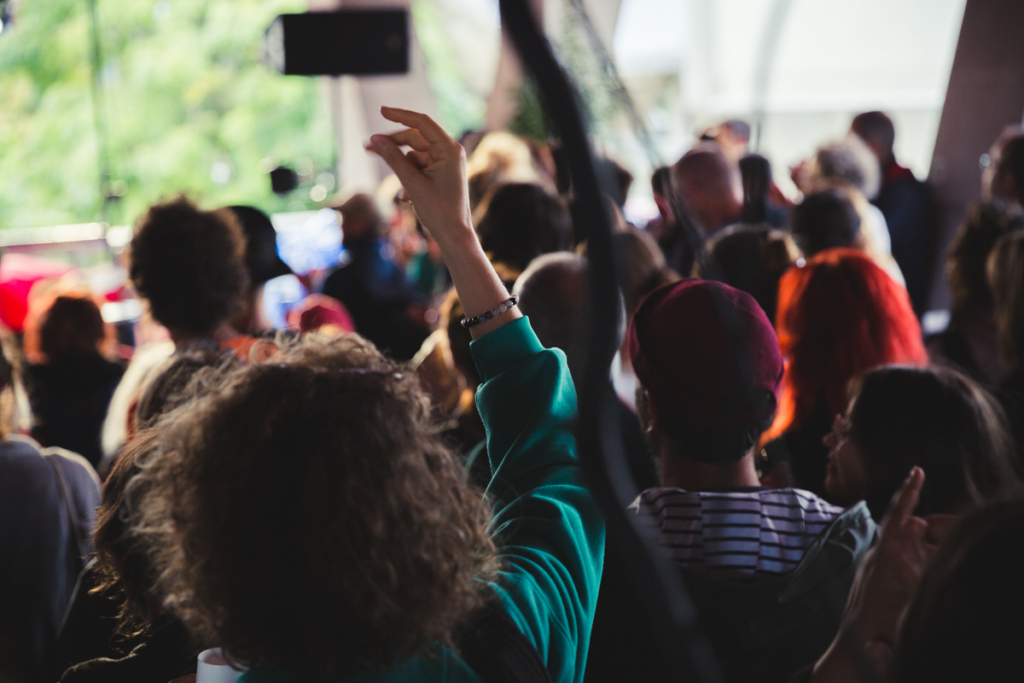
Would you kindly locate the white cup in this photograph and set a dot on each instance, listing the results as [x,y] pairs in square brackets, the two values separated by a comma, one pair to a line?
[214,668]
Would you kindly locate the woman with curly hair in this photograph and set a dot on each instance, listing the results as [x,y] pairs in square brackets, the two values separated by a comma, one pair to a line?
[838,316]
[304,517]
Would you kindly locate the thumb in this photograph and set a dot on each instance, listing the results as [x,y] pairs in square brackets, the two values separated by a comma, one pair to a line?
[387,150]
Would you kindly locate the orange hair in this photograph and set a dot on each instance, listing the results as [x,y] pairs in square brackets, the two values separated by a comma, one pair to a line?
[838,315]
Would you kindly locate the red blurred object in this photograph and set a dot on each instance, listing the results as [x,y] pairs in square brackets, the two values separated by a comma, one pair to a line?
[317,311]
[18,273]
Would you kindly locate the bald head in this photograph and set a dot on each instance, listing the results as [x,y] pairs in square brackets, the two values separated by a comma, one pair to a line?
[710,188]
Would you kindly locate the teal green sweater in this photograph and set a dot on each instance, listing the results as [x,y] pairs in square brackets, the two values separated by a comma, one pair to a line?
[549,532]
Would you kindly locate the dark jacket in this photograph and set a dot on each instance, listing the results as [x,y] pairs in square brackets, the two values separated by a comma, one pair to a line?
[69,400]
[377,294]
[907,205]
[47,510]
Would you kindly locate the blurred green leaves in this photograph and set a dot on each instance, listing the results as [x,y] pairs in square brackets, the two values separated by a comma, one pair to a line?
[184,89]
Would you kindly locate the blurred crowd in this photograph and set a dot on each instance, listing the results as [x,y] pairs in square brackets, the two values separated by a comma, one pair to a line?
[387,488]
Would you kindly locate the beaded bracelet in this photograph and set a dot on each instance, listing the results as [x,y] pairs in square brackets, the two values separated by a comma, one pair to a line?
[501,308]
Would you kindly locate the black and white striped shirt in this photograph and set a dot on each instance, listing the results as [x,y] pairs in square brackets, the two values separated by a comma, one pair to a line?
[746,534]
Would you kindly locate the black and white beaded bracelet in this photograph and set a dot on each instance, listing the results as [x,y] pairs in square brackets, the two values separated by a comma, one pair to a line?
[498,310]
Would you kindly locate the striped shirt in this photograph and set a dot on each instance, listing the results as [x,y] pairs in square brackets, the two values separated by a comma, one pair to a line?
[745,535]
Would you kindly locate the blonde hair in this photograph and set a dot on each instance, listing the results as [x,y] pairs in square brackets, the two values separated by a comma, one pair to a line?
[499,158]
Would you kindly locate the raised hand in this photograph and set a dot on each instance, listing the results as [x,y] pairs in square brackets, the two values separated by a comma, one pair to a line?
[433,174]
[883,587]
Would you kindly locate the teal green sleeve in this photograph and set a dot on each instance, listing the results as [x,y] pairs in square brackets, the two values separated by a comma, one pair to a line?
[549,532]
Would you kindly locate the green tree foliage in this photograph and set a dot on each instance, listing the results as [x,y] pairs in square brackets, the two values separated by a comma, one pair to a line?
[184,89]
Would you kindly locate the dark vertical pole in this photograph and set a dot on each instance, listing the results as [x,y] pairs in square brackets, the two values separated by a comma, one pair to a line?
[663,597]
[985,94]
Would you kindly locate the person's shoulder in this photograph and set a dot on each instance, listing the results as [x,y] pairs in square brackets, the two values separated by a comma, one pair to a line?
[810,503]
[79,473]
[20,454]
[651,500]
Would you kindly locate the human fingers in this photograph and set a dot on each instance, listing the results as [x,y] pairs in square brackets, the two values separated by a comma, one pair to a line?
[420,159]
[904,501]
[410,137]
[408,173]
[427,127]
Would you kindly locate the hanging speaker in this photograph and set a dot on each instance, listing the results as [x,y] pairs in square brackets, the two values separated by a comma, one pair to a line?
[354,42]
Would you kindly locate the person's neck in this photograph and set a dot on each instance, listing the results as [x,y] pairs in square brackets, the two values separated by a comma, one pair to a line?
[221,334]
[678,471]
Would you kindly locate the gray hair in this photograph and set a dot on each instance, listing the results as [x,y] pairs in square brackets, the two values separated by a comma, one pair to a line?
[849,161]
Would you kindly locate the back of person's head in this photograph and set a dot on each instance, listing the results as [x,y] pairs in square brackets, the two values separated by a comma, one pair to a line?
[940,420]
[825,220]
[1008,181]
[968,255]
[738,128]
[959,625]
[521,222]
[189,265]
[261,257]
[303,514]
[708,365]
[71,327]
[877,131]
[847,162]
[554,292]
[751,258]
[641,266]
[1006,281]
[360,218]
[838,316]
[709,186]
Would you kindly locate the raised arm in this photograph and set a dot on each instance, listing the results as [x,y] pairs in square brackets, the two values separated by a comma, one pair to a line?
[433,174]
[549,532]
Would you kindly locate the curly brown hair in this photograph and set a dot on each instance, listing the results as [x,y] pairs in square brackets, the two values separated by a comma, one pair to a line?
[189,265]
[303,514]
[122,568]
